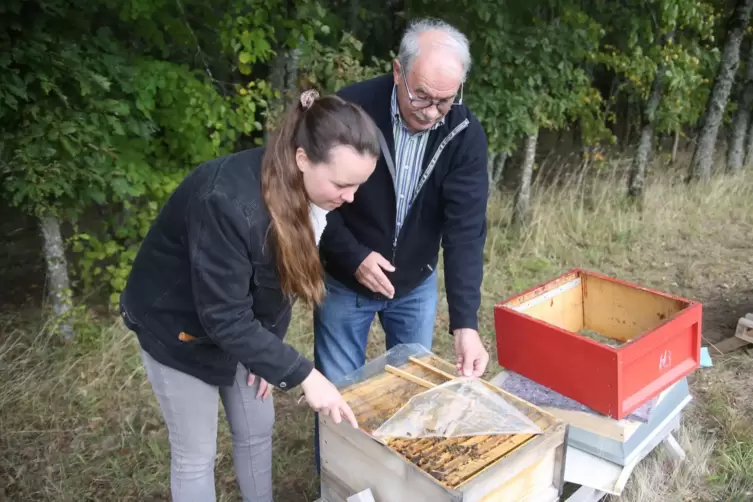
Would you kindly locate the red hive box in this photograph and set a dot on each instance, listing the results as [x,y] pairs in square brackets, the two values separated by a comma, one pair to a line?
[607,344]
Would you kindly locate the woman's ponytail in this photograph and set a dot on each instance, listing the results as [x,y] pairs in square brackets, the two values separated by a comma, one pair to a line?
[315,124]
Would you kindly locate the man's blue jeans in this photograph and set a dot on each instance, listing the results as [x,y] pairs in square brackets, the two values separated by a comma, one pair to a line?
[342,323]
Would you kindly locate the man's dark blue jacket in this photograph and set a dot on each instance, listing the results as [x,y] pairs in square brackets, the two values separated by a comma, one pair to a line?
[449,206]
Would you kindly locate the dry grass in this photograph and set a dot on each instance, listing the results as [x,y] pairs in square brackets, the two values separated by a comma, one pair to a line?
[80,423]
[660,478]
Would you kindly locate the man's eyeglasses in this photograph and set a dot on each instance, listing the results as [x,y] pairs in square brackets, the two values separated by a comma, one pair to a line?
[443,105]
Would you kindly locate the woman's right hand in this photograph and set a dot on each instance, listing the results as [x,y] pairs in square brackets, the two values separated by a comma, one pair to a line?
[324,398]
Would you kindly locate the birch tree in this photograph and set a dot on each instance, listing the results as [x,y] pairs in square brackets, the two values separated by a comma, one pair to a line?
[522,213]
[741,121]
[655,47]
[703,155]
[637,179]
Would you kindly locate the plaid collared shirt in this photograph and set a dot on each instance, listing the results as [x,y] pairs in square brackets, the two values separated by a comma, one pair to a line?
[409,155]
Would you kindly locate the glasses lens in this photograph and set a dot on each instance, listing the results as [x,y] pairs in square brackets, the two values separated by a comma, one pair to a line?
[421,103]
[442,106]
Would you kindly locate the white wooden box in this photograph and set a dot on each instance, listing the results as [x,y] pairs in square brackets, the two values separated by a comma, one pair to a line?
[491,468]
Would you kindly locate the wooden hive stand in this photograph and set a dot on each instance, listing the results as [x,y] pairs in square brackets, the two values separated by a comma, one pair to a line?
[602,453]
[488,468]
[614,477]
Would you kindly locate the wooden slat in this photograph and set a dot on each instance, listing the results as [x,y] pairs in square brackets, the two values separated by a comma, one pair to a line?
[409,377]
[586,494]
[540,290]
[364,496]
[431,368]
[674,448]
[564,309]
[727,345]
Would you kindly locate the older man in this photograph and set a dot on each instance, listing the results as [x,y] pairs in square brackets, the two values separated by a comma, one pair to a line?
[380,252]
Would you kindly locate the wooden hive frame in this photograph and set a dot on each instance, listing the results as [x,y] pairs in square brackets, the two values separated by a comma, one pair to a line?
[488,468]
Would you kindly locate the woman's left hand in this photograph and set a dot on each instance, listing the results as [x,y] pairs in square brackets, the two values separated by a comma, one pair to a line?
[265,390]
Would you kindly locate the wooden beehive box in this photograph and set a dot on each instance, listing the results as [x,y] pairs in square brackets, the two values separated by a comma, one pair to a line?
[490,468]
[606,343]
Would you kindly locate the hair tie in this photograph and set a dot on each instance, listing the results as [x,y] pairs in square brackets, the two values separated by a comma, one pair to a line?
[308,97]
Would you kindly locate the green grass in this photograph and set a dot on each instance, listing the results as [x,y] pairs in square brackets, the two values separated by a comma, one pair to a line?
[80,423]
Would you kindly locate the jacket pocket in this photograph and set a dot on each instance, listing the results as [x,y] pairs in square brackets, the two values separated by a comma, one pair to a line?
[129,322]
[190,339]
[270,304]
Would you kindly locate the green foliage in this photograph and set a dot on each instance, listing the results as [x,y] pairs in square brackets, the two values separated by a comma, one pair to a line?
[192,123]
[326,59]
[60,122]
[669,33]
[248,31]
[529,71]
[106,105]
[87,124]
[329,68]
[376,24]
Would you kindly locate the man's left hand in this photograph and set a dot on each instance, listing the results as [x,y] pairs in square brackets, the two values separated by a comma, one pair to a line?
[472,357]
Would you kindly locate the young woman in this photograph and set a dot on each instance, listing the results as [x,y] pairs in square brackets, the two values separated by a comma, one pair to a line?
[210,292]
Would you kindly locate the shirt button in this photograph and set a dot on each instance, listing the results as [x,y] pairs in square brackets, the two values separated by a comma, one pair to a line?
[283,385]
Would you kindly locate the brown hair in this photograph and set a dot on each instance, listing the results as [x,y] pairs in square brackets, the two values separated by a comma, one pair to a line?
[316,125]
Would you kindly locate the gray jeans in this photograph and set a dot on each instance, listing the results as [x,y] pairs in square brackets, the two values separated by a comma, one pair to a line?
[190,408]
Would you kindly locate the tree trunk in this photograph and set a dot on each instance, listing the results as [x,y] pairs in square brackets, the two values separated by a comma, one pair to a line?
[354,9]
[700,166]
[637,181]
[522,212]
[57,275]
[490,170]
[496,169]
[736,152]
[578,138]
[749,154]
[277,82]
[283,76]
[628,125]
[675,145]
[291,72]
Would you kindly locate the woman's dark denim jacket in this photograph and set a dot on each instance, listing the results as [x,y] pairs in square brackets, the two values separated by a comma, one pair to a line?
[206,271]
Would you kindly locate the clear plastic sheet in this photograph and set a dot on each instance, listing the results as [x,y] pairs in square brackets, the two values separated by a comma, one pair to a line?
[460,407]
[456,408]
[396,356]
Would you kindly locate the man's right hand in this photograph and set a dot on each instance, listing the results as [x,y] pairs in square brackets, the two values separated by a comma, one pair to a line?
[370,274]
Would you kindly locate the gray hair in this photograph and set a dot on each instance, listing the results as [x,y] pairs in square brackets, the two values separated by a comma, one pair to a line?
[455,41]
